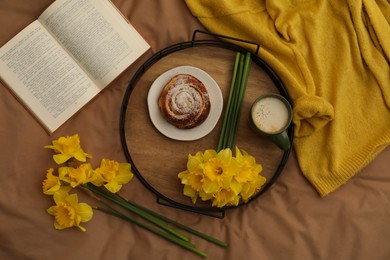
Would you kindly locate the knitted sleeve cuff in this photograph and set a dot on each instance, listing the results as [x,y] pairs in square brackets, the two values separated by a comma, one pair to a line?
[310,114]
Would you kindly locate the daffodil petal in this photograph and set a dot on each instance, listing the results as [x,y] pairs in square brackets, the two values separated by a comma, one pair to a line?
[51,210]
[113,186]
[208,154]
[194,163]
[98,181]
[183,174]
[61,158]
[225,155]
[58,226]
[190,192]
[84,211]
[124,175]
[235,187]
[123,178]
[51,184]
[80,156]
[210,186]
[59,196]
[72,199]
[205,196]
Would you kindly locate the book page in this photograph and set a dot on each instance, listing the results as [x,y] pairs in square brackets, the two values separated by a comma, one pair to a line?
[96,35]
[44,76]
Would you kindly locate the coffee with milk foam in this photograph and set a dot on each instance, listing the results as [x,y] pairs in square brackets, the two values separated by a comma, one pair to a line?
[270,115]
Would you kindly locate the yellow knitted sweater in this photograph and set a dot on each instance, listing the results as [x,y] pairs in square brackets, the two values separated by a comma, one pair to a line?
[333,56]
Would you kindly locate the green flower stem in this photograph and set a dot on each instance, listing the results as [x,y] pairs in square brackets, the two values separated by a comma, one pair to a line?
[152,229]
[235,101]
[240,97]
[233,118]
[222,139]
[135,210]
[190,230]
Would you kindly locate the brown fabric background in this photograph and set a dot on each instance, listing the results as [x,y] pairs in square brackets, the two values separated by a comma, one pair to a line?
[290,221]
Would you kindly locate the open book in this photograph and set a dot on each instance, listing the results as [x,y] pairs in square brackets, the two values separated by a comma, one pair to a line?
[58,63]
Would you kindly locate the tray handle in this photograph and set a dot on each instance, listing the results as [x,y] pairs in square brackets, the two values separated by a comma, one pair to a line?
[225,37]
[215,213]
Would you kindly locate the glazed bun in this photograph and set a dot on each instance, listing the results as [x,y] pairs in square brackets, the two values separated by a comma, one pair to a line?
[184,101]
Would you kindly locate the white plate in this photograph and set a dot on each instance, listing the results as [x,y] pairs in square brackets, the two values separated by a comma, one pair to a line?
[162,125]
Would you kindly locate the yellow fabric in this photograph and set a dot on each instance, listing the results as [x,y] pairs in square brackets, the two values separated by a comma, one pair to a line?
[333,57]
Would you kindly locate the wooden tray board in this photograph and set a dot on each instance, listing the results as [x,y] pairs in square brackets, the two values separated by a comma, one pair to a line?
[160,159]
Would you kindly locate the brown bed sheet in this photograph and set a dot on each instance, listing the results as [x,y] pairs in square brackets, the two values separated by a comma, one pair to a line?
[290,221]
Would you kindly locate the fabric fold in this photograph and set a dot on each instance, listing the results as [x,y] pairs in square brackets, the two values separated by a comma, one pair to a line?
[310,114]
[333,57]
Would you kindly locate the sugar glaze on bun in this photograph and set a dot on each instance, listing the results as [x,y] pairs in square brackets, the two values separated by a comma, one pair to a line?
[184,101]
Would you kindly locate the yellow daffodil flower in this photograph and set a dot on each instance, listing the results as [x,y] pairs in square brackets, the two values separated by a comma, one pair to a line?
[221,177]
[51,184]
[249,175]
[195,180]
[251,188]
[190,192]
[206,196]
[219,170]
[113,175]
[225,197]
[193,183]
[195,162]
[67,148]
[68,212]
[193,177]
[77,176]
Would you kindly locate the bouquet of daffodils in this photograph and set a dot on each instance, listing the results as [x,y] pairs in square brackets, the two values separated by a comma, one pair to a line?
[222,178]
[103,183]
[67,211]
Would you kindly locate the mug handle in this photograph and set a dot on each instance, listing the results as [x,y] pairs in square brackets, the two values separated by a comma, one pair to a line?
[281,140]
